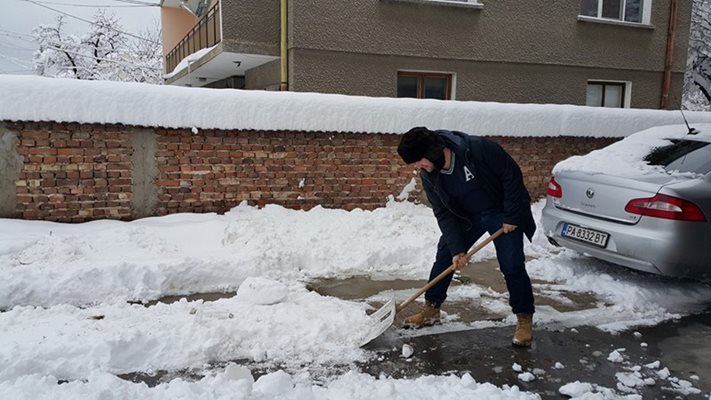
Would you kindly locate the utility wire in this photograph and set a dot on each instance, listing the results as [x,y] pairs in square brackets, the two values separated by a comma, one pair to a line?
[145,3]
[15,36]
[16,33]
[89,22]
[97,5]
[17,71]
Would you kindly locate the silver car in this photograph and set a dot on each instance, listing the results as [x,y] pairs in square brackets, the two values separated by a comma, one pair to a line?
[658,223]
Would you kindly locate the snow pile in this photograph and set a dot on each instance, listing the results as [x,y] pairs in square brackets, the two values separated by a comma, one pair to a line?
[262,291]
[112,261]
[69,342]
[626,157]
[29,98]
[236,382]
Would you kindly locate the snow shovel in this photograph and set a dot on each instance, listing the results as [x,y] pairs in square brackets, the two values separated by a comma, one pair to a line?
[385,315]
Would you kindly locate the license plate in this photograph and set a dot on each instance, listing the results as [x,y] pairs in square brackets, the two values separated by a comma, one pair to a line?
[585,235]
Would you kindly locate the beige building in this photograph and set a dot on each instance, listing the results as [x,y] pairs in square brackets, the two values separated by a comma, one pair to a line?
[614,53]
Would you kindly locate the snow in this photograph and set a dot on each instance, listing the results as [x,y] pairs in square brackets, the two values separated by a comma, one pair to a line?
[261,291]
[237,383]
[66,287]
[30,98]
[77,301]
[407,350]
[615,356]
[625,158]
[526,377]
[185,62]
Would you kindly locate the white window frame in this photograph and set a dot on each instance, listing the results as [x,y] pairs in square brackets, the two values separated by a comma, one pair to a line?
[646,14]
[474,4]
[626,100]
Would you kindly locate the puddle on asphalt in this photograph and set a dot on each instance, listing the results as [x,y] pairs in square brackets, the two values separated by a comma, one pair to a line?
[484,273]
[207,297]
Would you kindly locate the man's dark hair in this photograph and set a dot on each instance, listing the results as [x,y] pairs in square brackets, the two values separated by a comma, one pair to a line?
[419,143]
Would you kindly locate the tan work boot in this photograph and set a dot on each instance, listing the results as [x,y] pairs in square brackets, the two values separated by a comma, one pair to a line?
[427,316]
[524,330]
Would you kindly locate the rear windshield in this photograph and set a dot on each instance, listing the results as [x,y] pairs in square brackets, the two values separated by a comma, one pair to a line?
[682,156]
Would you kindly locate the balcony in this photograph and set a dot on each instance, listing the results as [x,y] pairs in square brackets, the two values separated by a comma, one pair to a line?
[206,33]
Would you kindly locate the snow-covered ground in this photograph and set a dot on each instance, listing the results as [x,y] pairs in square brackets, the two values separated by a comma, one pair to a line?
[65,292]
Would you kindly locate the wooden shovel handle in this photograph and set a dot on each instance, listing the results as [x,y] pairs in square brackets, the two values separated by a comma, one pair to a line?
[448,271]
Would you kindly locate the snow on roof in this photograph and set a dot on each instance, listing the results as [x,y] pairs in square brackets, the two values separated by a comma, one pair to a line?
[31,98]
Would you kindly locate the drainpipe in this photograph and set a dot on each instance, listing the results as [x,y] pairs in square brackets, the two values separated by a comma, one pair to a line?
[668,60]
[284,82]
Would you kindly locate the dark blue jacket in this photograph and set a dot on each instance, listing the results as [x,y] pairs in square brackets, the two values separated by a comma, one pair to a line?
[499,176]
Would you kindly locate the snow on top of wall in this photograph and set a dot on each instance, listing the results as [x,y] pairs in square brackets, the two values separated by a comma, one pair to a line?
[31,98]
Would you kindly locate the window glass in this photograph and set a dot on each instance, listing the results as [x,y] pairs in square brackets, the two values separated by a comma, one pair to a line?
[436,88]
[594,97]
[683,156]
[612,9]
[613,96]
[407,86]
[633,10]
[589,8]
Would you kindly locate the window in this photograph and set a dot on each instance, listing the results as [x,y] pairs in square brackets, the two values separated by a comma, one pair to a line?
[471,4]
[424,85]
[606,94]
[682,156]
[622,10]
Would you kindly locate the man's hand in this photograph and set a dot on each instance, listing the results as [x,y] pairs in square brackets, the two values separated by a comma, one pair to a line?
[509,228]
[460,260]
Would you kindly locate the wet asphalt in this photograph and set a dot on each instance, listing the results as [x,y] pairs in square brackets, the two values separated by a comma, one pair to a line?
[682,346]
[558,355]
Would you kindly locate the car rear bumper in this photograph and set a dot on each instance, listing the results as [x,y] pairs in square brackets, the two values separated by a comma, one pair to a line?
[667,247]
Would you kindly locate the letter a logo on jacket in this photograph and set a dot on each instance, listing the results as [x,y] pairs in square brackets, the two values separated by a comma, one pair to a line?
[468,174]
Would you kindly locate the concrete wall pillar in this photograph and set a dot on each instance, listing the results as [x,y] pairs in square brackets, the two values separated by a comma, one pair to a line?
[144,172]
[10,167]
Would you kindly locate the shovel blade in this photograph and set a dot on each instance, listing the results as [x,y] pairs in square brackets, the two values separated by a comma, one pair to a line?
[380,321]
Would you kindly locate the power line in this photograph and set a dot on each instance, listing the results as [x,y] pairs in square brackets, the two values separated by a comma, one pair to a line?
[138,2]
[15,36]
[15,33]
[97,5]
[89,22]
[16,71]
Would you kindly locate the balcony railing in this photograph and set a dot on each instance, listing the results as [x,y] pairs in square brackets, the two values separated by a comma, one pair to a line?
[206,33]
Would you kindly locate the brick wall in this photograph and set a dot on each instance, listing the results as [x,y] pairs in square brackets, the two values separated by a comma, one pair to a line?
[78,172]
[73,172]
[215,170]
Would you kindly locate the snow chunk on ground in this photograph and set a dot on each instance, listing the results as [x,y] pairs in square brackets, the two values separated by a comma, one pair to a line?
[262,291]
[615,357]
[575,389]
[526,377]
[407,350]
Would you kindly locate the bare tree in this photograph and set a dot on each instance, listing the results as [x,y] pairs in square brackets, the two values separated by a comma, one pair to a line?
[697,82]
[105,52]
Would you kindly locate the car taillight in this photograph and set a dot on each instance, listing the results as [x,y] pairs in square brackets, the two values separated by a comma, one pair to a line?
[554,188]
[663,206]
